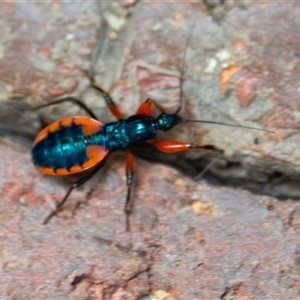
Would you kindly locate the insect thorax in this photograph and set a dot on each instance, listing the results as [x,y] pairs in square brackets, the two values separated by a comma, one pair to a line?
[124,133]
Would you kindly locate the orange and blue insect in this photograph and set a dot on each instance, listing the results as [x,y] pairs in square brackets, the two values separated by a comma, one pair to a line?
[69,146]
[76,144]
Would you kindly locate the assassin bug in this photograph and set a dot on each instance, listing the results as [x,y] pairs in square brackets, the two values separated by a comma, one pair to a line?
[75,144]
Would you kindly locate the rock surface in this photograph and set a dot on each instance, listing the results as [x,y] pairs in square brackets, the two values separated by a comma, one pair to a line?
[188,240]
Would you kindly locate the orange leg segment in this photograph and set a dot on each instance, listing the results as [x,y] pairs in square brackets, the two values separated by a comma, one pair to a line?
[145,107]
[175,146]
[109,101]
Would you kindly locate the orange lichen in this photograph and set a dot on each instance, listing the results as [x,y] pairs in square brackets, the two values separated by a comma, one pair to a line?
[226,75]
[244,88]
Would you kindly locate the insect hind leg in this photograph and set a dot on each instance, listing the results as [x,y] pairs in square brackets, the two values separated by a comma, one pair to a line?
[109,101]
[74,185]
[68,99]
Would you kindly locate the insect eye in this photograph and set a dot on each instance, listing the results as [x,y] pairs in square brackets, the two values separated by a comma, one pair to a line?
[165,121]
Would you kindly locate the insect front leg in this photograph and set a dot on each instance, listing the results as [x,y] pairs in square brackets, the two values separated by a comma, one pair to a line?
[145,107]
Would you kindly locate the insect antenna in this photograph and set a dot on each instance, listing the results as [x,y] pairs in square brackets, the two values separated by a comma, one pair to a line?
[182,70]
[225,124]
[181,93]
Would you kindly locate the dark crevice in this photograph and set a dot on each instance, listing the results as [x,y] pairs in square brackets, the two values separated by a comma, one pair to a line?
[211,4]
[224,172]
[146,268]
[230,292]
[78,279]
[217,8]
[108,292]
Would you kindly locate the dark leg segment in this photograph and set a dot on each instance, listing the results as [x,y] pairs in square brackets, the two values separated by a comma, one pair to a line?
[72,187]
[129,181]
[68,99]
[109,101]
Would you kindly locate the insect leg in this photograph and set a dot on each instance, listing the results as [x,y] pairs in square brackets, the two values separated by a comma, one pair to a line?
[72,187]
[176,146]
[109,101]
[129,181]
[68,99]
[145,107]
[200,175]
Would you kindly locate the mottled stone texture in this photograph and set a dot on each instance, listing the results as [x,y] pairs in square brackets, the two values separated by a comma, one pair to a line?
[188,240]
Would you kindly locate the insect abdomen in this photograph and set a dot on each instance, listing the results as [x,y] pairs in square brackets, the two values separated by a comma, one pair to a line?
[62,147]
